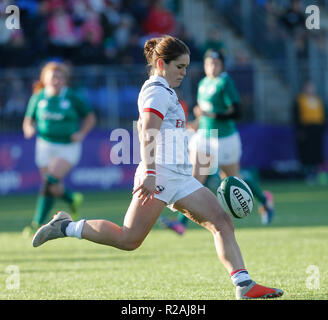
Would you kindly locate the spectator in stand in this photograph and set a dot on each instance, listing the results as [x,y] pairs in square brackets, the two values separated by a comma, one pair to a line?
[133,52]
[273,8]
[294,18]
[186,37]
[28,6]
[112,14]
[160,21]
[15,49]
[294,21]
[33,19]
[62,32]
[15,106]
[85,31]
[91,51]
[123,31]
[18,52]
[139,10]
[92,25]
[309,117]
[5,33]
[79,11]
[97,5]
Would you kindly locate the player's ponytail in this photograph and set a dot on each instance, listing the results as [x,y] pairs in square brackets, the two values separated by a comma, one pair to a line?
[150,51]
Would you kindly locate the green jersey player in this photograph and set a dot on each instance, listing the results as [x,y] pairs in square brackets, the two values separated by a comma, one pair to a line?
[54,112]
[217,138]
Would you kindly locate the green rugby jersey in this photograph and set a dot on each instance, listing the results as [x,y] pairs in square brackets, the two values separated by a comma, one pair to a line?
[57,117]
[215,96]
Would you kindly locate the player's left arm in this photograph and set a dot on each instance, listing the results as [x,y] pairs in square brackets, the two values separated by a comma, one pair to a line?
[233,112]
[87,115]
[232,100]
[88,123]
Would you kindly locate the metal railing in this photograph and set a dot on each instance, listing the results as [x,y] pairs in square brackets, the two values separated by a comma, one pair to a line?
[113,93]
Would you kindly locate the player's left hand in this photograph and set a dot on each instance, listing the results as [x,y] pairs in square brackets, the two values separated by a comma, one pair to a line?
[77,137]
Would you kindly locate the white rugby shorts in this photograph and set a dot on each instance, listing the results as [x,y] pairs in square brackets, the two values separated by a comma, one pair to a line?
[170,186]
[223,151]
[45,151]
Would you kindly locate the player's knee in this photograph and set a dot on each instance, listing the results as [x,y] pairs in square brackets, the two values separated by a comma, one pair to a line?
[56,189]
[51,186]
[45,189]
[129,240]
[222,222]
[131,245]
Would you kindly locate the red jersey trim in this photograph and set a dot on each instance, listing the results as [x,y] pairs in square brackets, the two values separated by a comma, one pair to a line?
[154,111]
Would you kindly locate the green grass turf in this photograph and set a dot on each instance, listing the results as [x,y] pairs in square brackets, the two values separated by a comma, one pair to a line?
[168,266]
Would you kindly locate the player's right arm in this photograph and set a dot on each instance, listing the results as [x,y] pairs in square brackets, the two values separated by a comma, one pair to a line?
[149,127]
[29,119]
[28,127]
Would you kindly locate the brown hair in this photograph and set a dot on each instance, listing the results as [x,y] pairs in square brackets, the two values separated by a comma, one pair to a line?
[167,48]
[54,66]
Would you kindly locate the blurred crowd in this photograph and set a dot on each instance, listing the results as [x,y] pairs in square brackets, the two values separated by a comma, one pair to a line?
[94,32]
[86,32]
[113,32]
[291,16]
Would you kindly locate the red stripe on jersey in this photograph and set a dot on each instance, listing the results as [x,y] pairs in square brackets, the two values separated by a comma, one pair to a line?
[185,108]
[154,111]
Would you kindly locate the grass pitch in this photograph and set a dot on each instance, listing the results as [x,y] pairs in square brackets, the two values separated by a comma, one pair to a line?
[291,253]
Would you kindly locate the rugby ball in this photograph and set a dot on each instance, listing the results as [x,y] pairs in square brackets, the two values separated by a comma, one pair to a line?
[235,197]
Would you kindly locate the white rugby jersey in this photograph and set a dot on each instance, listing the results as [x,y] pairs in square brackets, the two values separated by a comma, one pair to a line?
[172,141]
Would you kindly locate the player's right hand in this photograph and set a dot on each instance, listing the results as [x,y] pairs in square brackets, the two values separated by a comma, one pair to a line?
[29,132]
[197,111]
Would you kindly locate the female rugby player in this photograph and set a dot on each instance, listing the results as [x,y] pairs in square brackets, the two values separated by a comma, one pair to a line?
[164,176]
[54,112]
[218,108]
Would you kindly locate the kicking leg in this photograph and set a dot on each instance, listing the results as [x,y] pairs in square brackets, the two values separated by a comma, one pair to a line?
[202,207]
[137,224]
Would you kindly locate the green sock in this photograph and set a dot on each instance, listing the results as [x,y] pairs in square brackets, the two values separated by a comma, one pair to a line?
[257,191]
[182,218]
[43,206]
[67,195]
[213,181]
